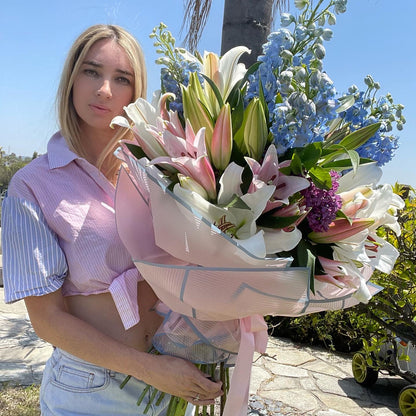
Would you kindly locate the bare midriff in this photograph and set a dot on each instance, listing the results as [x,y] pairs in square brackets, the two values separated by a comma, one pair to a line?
[101,312]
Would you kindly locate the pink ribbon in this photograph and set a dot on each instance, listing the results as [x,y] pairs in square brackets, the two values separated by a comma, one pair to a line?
[253,338]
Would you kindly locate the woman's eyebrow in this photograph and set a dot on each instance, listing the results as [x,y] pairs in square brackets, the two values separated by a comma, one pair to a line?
[98,65]
[93,63]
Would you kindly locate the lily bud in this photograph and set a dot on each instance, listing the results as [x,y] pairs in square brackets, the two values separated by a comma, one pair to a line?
[192,185]
[222,139]
[255,129]
[341,229]
[195,107]
[211,70]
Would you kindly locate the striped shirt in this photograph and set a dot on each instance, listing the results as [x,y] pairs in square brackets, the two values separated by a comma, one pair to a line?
[59,231]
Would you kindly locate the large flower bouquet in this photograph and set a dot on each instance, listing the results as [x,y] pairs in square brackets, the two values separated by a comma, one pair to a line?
[254,192]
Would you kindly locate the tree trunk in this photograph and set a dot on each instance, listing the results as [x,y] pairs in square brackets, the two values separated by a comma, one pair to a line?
[247,23]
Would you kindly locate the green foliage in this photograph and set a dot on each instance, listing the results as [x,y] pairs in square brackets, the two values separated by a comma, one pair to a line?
[336,330]
[395,306]
[392,312]
[9,165]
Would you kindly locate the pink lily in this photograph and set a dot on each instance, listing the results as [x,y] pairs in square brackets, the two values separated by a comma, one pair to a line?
[293,210]
[335,273]
[268,172]
[192,185]
[211,70]
[341,229]
[199,169]
[192,145]
[222,139]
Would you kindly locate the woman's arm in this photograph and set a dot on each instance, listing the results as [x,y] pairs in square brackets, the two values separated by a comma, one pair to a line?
[172,375]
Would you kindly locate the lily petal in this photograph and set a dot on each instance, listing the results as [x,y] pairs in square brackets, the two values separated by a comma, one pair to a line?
[254,244]
[230,182]
[231,72]
[367,174]
[280,240]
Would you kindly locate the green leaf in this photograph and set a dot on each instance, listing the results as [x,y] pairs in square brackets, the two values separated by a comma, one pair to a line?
[278,99]
[347,102]
[341,214]
[237,202]
[305,258]
[237,155]
[208,113]
[263,102]
[355,159]
[215,89]
[296,164]
[239,85]
[286,170]
[251,70]
[136,150]
[246,177]
[239,137]
[270,221]
[344,163]
[336,132]
[311,154]
[359,137]
[237,113]
[321,177]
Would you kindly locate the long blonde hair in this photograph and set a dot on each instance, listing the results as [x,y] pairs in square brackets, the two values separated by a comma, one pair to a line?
[68,117]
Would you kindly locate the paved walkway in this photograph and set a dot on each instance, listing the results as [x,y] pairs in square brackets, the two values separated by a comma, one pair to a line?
[292,380]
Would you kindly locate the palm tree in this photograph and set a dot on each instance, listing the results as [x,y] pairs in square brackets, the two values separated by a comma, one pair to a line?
[245,22]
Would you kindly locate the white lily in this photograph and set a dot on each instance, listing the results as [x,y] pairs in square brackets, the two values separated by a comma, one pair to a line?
[230,70]
[142,114]
[230,182]
[367,174]
[236,221]
[278,240]
[381,205]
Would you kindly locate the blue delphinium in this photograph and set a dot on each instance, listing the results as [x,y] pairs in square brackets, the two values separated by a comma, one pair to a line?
[300,96]
[177,65]
[171,81]
[366,110]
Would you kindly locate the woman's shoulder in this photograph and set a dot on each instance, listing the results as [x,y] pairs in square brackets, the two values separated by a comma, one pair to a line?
[31,171]
[26,179]
[37,172]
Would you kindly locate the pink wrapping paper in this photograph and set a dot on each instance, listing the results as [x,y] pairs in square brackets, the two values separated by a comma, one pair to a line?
[198,271]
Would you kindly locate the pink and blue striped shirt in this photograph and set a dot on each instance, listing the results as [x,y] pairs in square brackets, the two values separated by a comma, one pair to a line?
[59,230]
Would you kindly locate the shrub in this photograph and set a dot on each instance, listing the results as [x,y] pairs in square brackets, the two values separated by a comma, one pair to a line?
[393,310]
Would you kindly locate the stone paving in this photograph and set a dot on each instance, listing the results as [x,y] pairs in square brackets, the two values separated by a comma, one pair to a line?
[291,380]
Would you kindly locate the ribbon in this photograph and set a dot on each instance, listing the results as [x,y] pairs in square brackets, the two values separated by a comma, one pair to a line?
[253,338]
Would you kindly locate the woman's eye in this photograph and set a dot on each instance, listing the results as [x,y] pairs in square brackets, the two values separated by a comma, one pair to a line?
[123,80]
[91,73]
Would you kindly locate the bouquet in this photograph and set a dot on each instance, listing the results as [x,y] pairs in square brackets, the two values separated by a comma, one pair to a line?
[255,192]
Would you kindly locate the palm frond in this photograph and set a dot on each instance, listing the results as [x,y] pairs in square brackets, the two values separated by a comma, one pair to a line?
[195,18]
[196,15]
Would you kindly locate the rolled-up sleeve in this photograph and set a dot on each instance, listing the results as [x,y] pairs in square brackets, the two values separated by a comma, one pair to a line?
[33,262]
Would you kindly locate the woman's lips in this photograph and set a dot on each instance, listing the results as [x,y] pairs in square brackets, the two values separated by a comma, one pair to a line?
[99,109]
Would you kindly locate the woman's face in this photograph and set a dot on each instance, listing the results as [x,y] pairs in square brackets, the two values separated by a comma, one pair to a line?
[103,86]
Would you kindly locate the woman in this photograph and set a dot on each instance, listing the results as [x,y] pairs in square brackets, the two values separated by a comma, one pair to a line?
[62,254]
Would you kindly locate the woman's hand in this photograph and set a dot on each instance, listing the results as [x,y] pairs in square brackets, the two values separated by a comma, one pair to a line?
[180,378]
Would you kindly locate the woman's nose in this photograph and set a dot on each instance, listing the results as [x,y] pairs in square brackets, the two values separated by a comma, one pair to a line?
[105,89]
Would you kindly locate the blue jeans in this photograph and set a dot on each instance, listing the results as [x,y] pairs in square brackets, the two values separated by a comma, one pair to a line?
[71,386]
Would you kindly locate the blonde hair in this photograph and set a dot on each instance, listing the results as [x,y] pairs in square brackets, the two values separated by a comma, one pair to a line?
[68,117]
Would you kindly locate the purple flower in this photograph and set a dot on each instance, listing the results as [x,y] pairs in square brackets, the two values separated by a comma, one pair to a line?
[323,204]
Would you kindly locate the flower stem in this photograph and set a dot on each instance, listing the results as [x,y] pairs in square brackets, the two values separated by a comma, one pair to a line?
[141,397]
[125,381]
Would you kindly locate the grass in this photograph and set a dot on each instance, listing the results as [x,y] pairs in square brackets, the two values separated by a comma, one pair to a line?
[19,401]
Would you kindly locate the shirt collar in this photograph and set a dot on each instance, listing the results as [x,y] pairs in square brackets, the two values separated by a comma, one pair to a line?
[59,154]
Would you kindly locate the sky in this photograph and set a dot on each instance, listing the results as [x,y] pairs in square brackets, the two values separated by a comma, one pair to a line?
[375,37]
